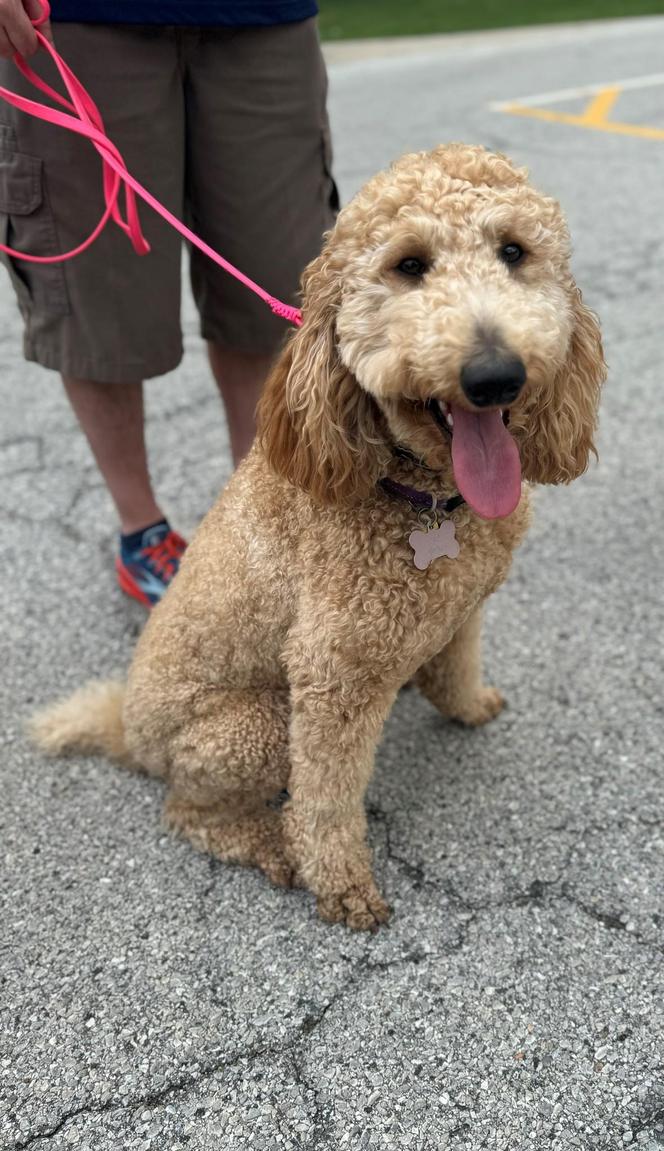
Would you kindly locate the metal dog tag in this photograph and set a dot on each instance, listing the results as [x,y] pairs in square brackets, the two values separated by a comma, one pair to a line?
[434,543]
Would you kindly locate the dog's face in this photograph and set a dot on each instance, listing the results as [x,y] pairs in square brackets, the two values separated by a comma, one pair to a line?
[442,316]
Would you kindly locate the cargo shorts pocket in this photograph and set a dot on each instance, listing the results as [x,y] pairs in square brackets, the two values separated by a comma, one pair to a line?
[27,225]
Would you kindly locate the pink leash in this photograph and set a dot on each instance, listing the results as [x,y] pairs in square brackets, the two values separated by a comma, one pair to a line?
[84,117]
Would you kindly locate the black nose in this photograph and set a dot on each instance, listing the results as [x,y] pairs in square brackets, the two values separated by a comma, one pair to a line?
[493,379]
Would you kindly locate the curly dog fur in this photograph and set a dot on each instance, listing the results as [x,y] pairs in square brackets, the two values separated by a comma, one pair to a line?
[297,615]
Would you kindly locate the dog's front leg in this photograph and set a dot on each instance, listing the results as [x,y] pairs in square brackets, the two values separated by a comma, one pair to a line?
[333,740]
[452,680]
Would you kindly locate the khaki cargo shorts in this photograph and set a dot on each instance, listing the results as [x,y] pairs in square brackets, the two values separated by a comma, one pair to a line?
[228,128]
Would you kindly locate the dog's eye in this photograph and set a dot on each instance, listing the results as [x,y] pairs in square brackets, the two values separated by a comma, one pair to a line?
[512,253]
[412,266]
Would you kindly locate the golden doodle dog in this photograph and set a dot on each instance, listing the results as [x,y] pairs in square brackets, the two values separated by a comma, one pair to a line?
[445,362]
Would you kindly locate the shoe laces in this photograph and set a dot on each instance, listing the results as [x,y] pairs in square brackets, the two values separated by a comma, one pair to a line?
[166,555]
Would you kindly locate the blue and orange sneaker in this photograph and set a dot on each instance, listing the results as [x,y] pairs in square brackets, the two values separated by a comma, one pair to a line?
[148,561]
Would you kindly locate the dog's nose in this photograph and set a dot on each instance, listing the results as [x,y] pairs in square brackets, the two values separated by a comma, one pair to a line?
[496,379]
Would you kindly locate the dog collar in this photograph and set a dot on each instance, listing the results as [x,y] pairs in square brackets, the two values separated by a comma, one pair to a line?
[420,501]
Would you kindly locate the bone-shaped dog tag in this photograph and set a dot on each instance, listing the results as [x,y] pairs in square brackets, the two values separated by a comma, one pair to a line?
[431,545]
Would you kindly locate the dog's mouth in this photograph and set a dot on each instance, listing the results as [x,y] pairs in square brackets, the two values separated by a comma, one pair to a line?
[485,457]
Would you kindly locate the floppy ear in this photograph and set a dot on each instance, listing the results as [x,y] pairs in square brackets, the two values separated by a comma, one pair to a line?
[556,429]
[318,428]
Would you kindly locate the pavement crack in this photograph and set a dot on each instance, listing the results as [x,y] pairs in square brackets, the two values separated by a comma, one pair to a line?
[321,1118]
[311,1022]
[610,920]
[24,444]
[150,1099]
[414,872]
[535,893]
[14,516]
[648,1122]
[292,1048]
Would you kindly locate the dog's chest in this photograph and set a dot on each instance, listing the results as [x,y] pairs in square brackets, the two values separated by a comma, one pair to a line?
[384,605]
[440,598]
[452,582]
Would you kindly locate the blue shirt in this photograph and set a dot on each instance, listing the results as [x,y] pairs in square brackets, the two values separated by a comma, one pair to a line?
[195,13]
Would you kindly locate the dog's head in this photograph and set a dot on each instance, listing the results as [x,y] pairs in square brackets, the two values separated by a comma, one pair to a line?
[442,316]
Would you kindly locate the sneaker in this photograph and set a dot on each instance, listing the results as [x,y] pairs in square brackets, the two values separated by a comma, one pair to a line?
[148,561]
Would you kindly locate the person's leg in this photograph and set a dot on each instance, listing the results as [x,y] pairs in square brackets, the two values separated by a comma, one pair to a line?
[240,377]
[110,318]
[111,416]
[258,189]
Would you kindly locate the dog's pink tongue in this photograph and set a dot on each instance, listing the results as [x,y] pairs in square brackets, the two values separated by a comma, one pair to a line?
[486,463]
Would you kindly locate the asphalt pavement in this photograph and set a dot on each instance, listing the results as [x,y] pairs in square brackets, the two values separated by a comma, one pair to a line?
[154,1000]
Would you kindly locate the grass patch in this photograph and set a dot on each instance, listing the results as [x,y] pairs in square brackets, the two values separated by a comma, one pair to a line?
[350,19]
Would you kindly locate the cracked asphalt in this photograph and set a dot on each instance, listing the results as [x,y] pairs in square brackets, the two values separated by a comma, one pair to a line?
[154,1000]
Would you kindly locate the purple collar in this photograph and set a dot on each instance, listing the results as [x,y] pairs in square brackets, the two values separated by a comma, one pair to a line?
[418,499]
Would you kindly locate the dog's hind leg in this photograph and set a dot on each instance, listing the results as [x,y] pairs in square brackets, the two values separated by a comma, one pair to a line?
[238,831]
[452,680]
[226,764]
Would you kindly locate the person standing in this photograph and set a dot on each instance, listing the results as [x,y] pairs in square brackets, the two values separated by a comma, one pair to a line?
[219,109]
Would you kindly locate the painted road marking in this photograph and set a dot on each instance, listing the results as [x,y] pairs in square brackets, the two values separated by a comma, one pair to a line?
[652,81]
[596,113]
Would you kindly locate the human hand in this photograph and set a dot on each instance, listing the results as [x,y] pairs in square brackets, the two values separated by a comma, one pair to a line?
[17,33]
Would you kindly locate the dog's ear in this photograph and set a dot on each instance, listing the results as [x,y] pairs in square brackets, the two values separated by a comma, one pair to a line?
[316,425]
[556,428]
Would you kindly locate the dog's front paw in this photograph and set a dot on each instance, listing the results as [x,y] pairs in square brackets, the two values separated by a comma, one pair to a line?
[480,708]
[361,908]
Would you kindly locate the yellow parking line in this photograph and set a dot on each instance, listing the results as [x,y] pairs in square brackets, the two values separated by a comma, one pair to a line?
[598,109]
[594,117]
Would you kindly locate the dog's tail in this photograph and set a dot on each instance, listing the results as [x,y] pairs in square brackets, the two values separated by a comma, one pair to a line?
[88,721]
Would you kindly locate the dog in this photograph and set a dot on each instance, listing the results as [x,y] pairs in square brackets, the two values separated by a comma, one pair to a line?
[445,363]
